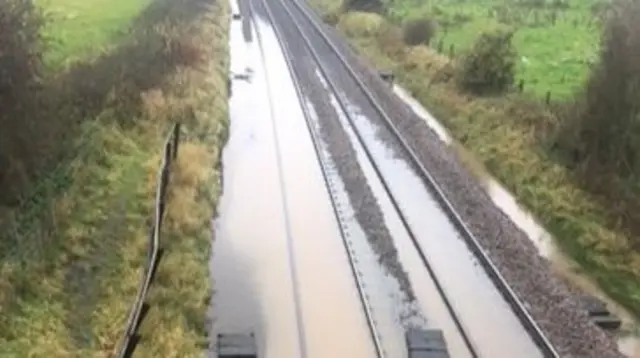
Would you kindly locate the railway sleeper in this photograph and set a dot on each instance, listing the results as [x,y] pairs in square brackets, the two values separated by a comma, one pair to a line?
[426,343]
[236,345]
[387,76]
[600,314]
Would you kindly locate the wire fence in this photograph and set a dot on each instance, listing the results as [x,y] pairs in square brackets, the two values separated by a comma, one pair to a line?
[131,337]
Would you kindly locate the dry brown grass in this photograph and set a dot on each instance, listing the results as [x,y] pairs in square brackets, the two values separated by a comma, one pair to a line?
[191,172]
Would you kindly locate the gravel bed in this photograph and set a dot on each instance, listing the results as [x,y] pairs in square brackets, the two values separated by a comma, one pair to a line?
[549,299]
[368,213]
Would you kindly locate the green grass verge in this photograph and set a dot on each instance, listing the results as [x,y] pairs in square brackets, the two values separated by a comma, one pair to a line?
[72,255]
[80,28]
[501,134]
[547,61]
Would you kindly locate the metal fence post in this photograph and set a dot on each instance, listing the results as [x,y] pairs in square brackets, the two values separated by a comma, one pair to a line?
[176,139]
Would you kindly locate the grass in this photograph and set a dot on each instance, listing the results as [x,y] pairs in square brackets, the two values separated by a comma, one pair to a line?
[548,61]
[503,133]
[81,28]
[72,254]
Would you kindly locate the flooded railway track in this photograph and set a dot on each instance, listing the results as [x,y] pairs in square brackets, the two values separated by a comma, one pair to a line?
[467,335]
[329,173]
[279,268]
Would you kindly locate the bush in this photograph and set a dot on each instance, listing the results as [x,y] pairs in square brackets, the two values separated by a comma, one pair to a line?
[376,6]
[390,40]
[361,24]
[331,18]
[489,67]
[418,31]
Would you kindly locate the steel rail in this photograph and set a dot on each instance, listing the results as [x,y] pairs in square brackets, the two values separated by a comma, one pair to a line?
[507,292]
[316,141]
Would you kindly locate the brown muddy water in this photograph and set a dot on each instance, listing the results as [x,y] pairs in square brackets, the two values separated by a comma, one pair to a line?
[629,337]
[277,241]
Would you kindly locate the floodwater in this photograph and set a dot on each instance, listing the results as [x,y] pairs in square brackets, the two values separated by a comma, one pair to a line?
[629,338]
[432,308]
[388,305]
[459,272]
[278,264]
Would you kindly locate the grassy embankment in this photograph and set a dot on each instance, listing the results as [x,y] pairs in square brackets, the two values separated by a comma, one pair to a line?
[72,250]
[512,134]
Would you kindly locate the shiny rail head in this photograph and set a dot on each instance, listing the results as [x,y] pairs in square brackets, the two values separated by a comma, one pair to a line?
[236,345]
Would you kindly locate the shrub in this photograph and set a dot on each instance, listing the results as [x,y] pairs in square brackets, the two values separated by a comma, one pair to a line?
[418,31]
[361,24]
[489,67]
[376,6]
[390,40]
[331,18]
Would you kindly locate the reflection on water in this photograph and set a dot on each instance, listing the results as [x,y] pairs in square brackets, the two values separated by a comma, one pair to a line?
[628,342]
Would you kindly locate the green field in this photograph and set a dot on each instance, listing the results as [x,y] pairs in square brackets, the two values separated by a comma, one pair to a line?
[553,56]
[80,28]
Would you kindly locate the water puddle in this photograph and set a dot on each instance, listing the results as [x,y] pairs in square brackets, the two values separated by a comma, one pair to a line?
[629,339]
